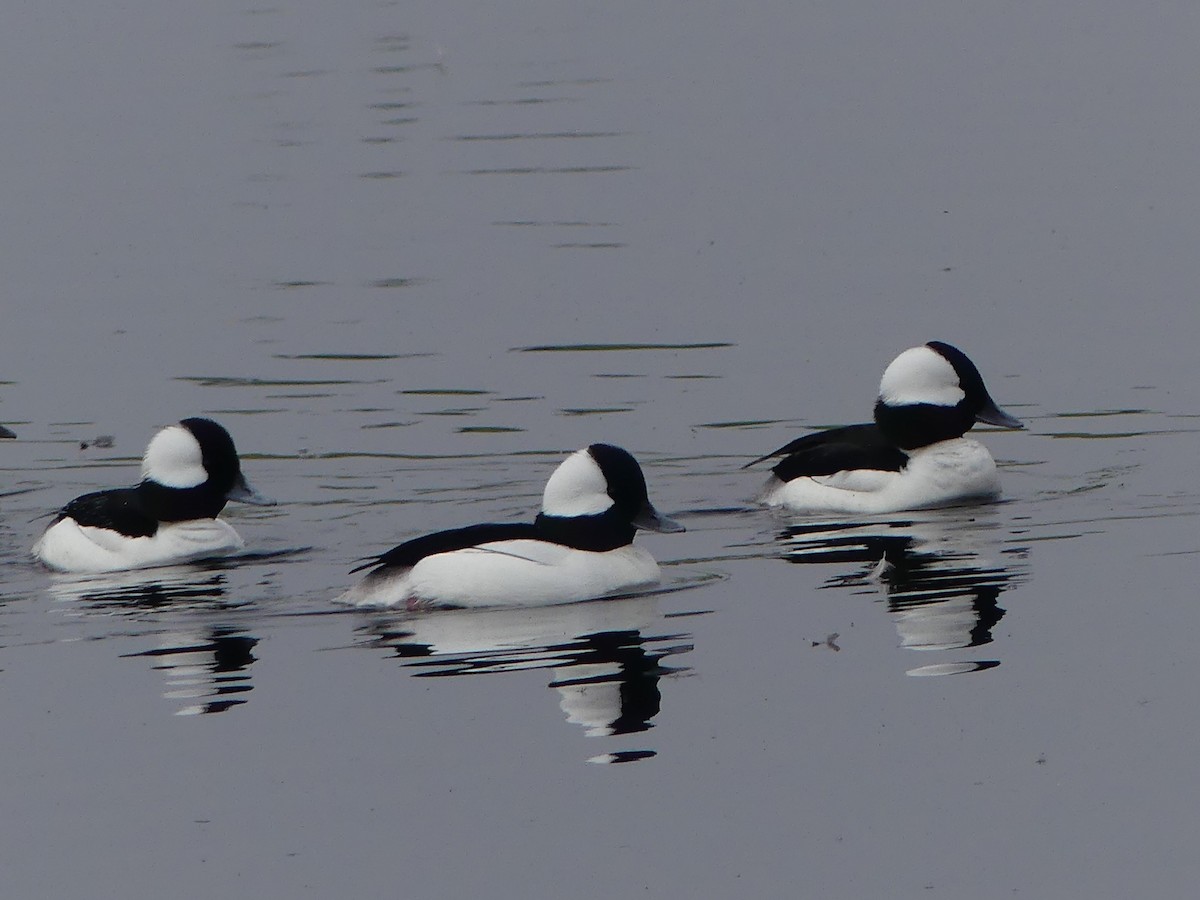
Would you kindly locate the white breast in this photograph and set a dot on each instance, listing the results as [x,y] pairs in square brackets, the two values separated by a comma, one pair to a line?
[942,474]
[68,546]
[511,573]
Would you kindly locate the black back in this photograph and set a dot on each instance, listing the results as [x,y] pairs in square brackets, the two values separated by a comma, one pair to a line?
[836,450]
[410,553]
[598,533]
[120,510]
[137,511]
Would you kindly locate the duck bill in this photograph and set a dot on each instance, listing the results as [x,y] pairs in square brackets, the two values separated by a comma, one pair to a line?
[991,414]
[651,519]
[243,493]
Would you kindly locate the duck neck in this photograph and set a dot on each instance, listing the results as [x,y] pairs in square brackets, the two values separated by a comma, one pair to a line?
[598,533]
[920,424]
[167,504]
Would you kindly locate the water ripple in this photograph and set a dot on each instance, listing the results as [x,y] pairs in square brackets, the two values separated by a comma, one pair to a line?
[537,136]
[609,348]
[550,170]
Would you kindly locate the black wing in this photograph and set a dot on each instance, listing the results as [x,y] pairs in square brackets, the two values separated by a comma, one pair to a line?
[411,552]
[836,450]
[119,509]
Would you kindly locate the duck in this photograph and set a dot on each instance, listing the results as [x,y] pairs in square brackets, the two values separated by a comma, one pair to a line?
[189,472]
[913,456]
[580,547]
[5,433]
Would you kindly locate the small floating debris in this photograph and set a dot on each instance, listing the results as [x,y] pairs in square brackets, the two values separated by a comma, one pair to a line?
[830,642]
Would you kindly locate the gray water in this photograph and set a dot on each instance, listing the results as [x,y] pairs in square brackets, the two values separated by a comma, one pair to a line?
[411,254]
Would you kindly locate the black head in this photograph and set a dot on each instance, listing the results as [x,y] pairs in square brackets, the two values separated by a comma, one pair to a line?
[217,452]
[190,470]
[596,500]
[626,485]
[933,393]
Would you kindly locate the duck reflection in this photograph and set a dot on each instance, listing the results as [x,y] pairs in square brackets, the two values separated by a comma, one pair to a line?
[201,662]
[606,657]
[177,587]
[207,666]
[942,571]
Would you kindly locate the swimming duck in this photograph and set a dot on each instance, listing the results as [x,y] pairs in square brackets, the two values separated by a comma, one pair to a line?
[579,547]
[189,472]
[914,454]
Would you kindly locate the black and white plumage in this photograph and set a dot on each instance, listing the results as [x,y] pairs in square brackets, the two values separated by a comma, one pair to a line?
[189,472]
[912,456]
[579,547]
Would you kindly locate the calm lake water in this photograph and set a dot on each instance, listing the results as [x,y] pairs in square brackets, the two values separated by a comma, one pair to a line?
[410,254]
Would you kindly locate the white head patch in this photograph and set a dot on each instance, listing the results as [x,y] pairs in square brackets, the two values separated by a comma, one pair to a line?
[174,459]
[920,375]
[577,488]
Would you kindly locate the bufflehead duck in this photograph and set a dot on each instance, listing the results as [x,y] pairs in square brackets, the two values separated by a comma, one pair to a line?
[913,456]
[189,472]
[580,547]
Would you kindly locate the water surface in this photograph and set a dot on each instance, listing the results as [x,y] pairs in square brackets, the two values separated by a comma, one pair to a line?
[411,255]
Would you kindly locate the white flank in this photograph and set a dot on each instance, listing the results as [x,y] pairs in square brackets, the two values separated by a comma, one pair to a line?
[510,573]
[943,474]
[68,546]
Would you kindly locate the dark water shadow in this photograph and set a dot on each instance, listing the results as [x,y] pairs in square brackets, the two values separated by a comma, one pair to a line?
[607,658]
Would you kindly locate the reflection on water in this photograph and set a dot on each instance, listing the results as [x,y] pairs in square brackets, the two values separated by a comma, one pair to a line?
[606,657]
[175,587]
[201,662]
[208,667]
[942,571]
